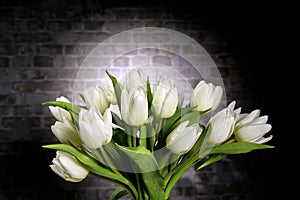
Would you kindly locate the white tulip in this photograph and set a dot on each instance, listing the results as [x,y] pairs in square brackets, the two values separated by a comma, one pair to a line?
[165,98]
[222,124]
[95,130]
[66,166]
[252,128]
[183,138]
[58,112]
[206,96]
[134,106]
[109,91]
[134,79]
[66,132]
[95,96]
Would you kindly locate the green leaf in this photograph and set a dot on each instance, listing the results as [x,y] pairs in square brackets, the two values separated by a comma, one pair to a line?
[117,194]
[147,164]
[177,115]
[192,117]
[82,97]
[149,94]
[65,105]
[117,120]
[141,156]
[116,156]
[117,88]
[120,137]
[151,137]
[211,159]
[238,147]
[71,108]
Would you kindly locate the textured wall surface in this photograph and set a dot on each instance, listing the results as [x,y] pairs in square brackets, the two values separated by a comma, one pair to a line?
[42,45]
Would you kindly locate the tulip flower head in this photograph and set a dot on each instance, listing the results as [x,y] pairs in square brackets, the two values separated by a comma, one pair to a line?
[165,98]
[96,97]
[66,166]
[134,106]
[58,112]
[206,96]
[183,138]
[66,132]
[252,128]
[108,91]
[134,79]
[95,130]
[222,125]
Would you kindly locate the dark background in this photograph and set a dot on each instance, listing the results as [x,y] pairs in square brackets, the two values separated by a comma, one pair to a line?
[255,38]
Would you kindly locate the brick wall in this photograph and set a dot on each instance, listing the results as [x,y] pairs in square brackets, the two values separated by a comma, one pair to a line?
[42,46]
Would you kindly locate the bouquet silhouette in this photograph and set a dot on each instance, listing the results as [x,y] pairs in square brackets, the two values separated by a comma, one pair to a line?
[139,136]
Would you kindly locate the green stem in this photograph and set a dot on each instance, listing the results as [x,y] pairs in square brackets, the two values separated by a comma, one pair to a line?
[134,136]
[174,163]
[159,127]
[129,137]
[109,163]
[172,177]
[140,192]
[97,155]
[230,141]
[120,184]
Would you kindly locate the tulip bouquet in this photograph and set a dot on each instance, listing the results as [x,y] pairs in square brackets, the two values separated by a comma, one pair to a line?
[139,136]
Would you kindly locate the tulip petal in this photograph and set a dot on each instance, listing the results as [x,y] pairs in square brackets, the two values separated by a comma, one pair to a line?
[221,130]
[201,97]
[262,139]
[88,137]
[260,120]
[253,132]
[183,138]
[59,113]
[248,118]
[183,143]
[139,110]
[217,96]
[63,99]
[134,79]
[231,106]
[170,103]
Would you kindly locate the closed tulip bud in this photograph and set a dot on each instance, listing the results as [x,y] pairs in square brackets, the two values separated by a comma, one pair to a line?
[96,97]
[134,79]
[206,96]
[222,125]
[95,130]
[66,166]
[183,138]
[252,128]
[109,91]
[66,132]
[134,106]
[58,112]
[165,98]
